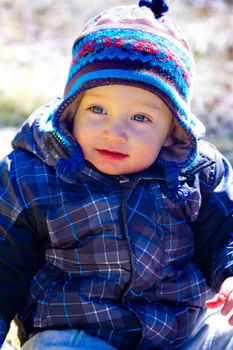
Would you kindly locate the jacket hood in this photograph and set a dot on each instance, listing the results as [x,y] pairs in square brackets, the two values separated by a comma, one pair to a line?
[48,137]
[47,140]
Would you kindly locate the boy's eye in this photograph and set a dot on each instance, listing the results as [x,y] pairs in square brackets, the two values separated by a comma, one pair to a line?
[140,118]
[97,109]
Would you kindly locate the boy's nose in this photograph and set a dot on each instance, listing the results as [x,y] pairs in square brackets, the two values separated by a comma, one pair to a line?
[115,133]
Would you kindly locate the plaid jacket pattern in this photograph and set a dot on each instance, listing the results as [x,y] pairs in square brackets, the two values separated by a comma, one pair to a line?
[112,255]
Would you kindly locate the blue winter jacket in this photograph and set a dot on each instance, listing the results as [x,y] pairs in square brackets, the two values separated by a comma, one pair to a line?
[113,255]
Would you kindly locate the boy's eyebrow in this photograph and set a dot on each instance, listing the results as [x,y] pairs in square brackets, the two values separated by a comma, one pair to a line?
[94,94]
[146,104]
[151,105]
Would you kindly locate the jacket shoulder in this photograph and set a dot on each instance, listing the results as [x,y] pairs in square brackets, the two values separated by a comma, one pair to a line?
[26,178]
[220,168]
[210,165]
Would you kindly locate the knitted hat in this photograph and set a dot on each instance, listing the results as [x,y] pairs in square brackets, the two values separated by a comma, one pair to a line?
[138,46]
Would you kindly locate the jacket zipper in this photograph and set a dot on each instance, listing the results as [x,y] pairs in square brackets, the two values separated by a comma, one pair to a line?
[54,150]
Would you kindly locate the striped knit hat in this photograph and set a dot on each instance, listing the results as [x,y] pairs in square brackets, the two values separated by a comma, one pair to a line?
[138,46]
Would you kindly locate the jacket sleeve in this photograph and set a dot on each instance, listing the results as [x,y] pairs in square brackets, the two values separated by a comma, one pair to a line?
[213,230]
[19,248]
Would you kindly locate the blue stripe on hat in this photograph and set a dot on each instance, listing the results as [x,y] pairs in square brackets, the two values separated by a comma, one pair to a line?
[131,75]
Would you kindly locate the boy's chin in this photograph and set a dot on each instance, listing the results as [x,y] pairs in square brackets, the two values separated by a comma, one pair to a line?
[116,170]
[105,170]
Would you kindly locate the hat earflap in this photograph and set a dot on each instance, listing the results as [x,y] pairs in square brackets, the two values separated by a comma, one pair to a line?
[68,168]
[177,192]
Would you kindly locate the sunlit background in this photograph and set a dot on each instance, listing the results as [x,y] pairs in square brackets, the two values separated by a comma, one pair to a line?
[35,45]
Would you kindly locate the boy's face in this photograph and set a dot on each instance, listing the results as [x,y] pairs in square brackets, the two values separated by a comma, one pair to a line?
[121,129]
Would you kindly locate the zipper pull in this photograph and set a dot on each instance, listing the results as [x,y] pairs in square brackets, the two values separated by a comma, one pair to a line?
[122,179]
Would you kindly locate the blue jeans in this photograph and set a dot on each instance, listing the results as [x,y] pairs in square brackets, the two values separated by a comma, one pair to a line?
[211,333]
[65,340]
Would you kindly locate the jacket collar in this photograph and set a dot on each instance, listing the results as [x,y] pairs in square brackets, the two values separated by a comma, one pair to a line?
[155,173]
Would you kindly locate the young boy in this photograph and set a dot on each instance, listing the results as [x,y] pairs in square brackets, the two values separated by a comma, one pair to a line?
[116,218]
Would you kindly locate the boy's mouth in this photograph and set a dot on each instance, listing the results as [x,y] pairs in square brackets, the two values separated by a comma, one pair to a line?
[111,155]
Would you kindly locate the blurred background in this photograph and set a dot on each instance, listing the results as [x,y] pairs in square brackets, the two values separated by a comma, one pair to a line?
[35,46]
